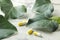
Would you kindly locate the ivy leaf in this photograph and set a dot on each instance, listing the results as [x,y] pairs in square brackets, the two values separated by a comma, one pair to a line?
[55,18]
[6,6]
[10,11]
[43,11]
[18,12]
[44,25]
[6,28]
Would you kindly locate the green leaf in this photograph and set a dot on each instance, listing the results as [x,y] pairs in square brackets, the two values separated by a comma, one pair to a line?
[44,25]
[42,6]
[6,6]
[6,28]
[42,9]
[56,18]
[19,12]
[10,11]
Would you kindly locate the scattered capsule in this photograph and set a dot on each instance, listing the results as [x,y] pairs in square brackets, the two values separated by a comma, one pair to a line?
[36,33]
[22,23]
[30,31]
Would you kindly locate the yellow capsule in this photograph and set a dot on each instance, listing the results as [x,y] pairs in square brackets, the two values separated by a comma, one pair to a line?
[22,23]
[30,31]
[36,33]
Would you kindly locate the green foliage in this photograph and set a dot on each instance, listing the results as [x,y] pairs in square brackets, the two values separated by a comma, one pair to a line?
[55,18]
[6,28]
[41,21]
[18,12]
[43,11]
[10,11]
[44,25]
[6,6]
